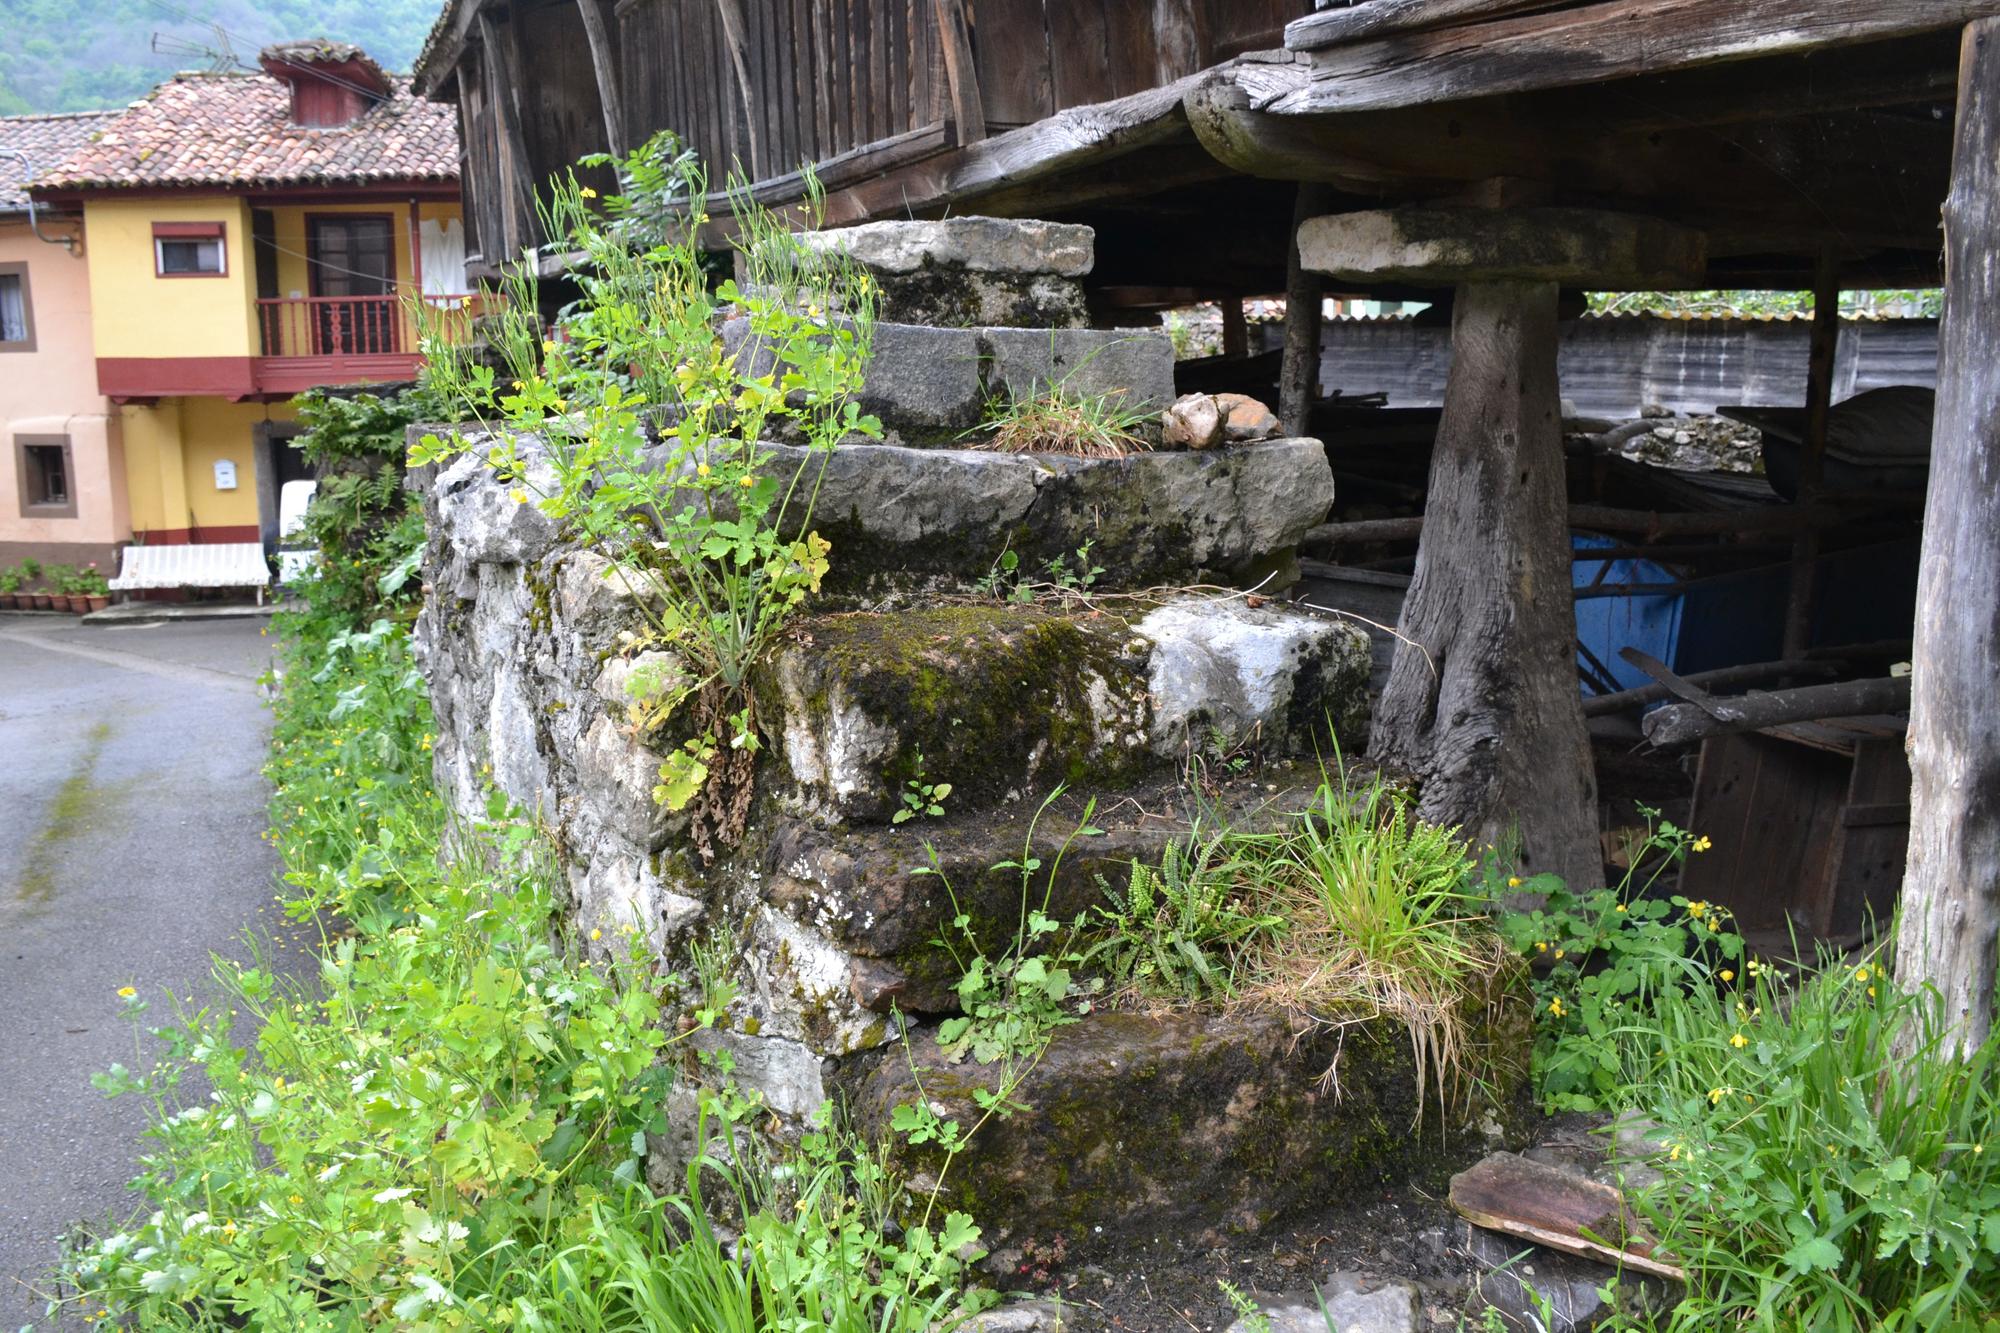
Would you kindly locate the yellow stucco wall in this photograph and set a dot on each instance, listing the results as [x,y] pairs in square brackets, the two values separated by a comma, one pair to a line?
[135,313]
[171,450]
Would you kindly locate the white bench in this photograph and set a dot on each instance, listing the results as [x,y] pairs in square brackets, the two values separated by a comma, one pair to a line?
[215,565]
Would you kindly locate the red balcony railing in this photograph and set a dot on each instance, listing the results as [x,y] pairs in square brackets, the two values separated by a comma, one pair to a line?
[340,326]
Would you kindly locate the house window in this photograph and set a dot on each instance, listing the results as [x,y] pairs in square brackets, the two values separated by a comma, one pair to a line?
[17,317]
[189,250]
[47,480]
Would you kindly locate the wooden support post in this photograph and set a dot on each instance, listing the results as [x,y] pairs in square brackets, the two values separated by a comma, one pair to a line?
[1298,376]
[736,35]
[1482,703]
[961,72]
[1812,453]
[604,62]
[1235,332]
[1949,934]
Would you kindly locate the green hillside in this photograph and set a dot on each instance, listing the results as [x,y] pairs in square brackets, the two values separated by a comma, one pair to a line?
[66,55]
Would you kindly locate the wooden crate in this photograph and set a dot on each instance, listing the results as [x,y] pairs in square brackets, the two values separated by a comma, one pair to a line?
[1809,825]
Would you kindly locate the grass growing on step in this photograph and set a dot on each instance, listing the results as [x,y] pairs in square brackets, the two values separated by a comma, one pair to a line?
[1352,908]
[1061,420]
[1380,914]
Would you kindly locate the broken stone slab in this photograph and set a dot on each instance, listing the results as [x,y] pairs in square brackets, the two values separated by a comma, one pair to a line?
[1445,246]
[982,244]
[1192,1123]
[1348,1302]
[1533,1289]
[1021,1317]
[485,522]
[1003,701]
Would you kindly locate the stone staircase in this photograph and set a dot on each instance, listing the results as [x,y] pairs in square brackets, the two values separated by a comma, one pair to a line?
[1133,1118]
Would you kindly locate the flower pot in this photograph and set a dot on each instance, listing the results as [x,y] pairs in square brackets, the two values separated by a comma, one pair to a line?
[6,601]
[98,601]
[78,604]
[44,602]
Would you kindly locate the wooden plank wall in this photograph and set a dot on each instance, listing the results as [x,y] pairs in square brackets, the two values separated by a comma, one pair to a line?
[826,77]
[1038,57]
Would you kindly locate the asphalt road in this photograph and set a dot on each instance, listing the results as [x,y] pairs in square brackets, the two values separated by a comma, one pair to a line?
[131,809]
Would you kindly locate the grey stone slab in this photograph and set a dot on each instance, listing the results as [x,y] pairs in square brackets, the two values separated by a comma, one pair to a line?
[982,244]
[1134,367]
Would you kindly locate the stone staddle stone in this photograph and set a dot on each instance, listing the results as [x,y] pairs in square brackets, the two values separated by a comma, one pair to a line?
[983,245]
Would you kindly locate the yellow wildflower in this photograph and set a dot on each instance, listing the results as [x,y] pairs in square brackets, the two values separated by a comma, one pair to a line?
[1675,1154]
[1702,843]
[1871,992]
[596,934]
[126,992]
[1513,881]
[1697,909]
[701,469]
[1715,1096]
[520,496]
[1861,974]
[1556,1006]
[1621,907]
[1541,946]
[1560,952]
[1739,1041]
[1726,974]
[747,482]
[587,192]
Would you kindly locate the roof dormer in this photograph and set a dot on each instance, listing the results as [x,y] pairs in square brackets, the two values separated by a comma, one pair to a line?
[331,82]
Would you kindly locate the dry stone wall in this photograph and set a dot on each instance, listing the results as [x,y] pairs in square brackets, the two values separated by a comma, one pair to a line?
[829,912]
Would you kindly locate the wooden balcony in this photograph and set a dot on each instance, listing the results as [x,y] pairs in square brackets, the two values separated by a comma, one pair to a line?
[308,341]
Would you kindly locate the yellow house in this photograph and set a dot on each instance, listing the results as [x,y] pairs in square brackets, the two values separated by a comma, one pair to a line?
[249,236]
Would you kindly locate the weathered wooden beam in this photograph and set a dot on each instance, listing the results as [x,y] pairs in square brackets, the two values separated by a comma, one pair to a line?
[1447,246]
[967,110]
[1382,18]
[1949,932]
[1825,342]
[1722,678]
[1677,724]
[604,63]
[1596,43]
[1481,704]
[1603,518]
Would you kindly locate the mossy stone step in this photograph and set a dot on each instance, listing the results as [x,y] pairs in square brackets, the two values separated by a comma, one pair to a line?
[1005,701]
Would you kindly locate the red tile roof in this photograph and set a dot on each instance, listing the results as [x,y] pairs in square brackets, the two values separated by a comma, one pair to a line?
[46,141]
[234,131]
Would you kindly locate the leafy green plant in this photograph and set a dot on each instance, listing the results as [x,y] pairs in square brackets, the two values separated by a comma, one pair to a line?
[1606,956]
[1004,580]
[1827,1163]
[1011,1002]
[1182,929]
[921,798]
[649,435]
[367,528]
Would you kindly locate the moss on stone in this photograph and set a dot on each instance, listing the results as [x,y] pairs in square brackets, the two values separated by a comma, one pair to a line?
[990,696]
